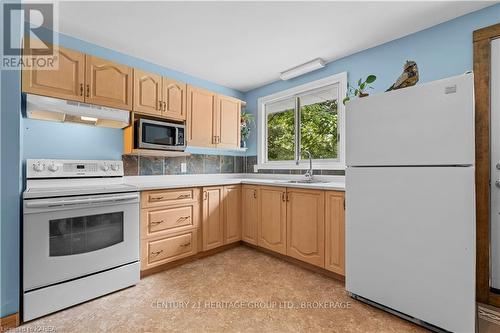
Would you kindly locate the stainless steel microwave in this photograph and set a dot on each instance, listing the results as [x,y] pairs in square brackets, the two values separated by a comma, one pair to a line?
[153,134]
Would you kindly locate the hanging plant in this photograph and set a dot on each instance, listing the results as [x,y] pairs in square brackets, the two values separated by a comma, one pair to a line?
[360,89]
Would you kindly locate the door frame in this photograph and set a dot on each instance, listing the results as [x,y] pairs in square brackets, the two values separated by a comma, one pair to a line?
[482,68]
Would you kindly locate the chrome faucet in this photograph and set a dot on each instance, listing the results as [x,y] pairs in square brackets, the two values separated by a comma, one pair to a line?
[309,173]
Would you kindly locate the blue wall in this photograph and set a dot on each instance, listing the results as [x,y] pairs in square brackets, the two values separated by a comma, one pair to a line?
[440,51]
[10,181]
[42,138]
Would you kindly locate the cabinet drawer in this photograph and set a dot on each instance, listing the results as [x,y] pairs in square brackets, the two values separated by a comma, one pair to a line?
[169,219]
[169,197]
[159,251]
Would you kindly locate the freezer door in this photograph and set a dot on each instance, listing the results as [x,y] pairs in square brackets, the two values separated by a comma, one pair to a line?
[429,124]
[410,241]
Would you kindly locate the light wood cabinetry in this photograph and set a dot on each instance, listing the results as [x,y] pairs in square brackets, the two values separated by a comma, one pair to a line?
[147,93]
[213,217]
[306,225]
[250,213]
[169,225]
[200,117]
[174,99]
[108,83]
[335,232]
[232,214]
[227,122]
[66,82]
[272,219]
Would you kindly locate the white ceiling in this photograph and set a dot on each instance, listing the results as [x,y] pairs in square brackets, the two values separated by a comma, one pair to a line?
[244,45]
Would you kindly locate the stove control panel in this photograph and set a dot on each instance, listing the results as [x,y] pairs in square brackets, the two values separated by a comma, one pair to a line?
[44,168]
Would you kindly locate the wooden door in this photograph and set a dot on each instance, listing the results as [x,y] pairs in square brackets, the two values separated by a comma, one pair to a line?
[174,99]
[66,82]
[306,225]
[213,217]
[147,92]
[272,219]
[250,213]
[108,83]
[227,122]
[335,232]
[200,117]
[232,213]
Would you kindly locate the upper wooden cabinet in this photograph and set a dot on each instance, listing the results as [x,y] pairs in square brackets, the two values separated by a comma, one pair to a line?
[147,92]
[108,83]
[250,209]
[306,225]
[227,128]
[67,82]
[174,99]
[213,217]
[200,117]
[335,232]
[232,213]
[272,219]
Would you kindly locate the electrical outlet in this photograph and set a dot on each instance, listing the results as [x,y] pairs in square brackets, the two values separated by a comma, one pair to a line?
[183,167]
[255,168]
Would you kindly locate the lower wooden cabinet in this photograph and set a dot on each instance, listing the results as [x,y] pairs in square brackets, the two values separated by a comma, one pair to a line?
[335,232]
[161,250]
[272,219]
[250,213]
[213,217]
[232,214]
[305,225]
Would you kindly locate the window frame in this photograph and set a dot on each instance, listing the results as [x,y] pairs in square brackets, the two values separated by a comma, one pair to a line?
[325,164]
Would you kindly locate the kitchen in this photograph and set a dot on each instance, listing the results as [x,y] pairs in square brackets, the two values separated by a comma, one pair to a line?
[210,193]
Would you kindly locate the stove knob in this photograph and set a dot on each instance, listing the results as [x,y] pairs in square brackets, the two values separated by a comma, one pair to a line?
[38,167]
[105,167]
[114,167]
[52,167]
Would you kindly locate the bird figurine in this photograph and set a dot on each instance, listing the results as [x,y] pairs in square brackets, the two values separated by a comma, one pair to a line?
[408,78]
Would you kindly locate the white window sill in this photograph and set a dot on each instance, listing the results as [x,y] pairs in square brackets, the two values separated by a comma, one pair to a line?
[303,165]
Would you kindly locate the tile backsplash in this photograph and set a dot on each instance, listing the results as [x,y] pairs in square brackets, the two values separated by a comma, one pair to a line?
[202,164]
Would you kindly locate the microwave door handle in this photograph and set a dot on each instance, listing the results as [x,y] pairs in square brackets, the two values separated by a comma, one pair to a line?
[176,136]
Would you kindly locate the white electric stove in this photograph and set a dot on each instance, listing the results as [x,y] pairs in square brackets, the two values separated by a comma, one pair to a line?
[80,233]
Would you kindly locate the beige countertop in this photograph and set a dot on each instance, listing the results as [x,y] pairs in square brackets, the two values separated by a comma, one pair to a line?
[333,183]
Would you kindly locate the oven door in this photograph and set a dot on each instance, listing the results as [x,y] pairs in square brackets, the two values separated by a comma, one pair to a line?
[159,135]
[69,237]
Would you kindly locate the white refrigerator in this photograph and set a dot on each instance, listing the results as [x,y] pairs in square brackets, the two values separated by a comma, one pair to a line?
[410,202]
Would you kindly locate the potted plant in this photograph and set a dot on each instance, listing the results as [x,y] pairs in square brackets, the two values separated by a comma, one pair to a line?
[359,91]
[245,121]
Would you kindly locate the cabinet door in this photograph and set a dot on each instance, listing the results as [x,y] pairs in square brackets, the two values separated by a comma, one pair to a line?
[232,215]
[174,99]
[108,83]
[147,92]
[67,82]
[306,225]
[250,213]
[213,217]
[335,232]
[272,219]
[227,122]
[200,117]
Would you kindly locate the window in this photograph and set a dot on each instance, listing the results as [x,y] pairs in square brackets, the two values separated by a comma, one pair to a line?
[302,120]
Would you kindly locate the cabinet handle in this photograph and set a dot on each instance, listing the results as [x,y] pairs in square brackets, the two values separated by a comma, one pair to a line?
[185,244]
[158,105]
[184,196]
[164,106]
[88,90]
[283,196]
[287,196]
[204,195]
[81,89]
[155,198]
[255,194]
[182,218]
[154,254]
[156,222]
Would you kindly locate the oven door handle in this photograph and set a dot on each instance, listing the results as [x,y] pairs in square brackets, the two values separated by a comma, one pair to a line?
[55,203]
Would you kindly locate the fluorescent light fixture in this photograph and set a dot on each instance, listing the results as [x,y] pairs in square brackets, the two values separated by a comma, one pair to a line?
[88,118]
[302,69]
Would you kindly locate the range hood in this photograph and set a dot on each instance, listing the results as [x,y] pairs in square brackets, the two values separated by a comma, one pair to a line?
[54,109]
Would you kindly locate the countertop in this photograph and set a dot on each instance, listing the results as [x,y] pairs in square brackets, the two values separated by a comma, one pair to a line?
[333,183]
